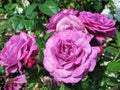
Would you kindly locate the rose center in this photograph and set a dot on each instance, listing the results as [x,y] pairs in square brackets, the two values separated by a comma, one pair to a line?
[66,51]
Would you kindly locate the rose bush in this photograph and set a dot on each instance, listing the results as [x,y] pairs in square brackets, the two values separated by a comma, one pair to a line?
[68,56]
[67,60]
[98,25]
[17,52]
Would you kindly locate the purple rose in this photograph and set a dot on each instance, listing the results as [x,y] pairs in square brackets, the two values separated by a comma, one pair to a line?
[68,56]
[15,83]
[98,25]
[51,26]
[69,22]
[17,51]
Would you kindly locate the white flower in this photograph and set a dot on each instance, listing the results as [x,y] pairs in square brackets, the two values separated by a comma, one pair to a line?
[107,13]
[25,3]
[19,10]
[116,2]
[117,15]
[41,35]
[118,10]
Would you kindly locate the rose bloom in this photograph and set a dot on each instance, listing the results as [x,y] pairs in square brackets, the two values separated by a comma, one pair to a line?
[51,26]
[98,25]
[69,22]
[17,52]
[68,56]
[15,83]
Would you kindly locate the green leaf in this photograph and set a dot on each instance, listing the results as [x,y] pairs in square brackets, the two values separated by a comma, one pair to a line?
[2,70]
[48,35]
[47,88]
[62,86]
[10,6]
[1,45]
[30,8]
[49,7]
[118,38]
[85,84]
[29,24]
[31,85]
[32,15]
[111,51]
[98,5]
[65,87]
[18,25]
[30,11]
[41,45]
[113,66]
[1,10]
[33,77]
[112,81]
[106,0]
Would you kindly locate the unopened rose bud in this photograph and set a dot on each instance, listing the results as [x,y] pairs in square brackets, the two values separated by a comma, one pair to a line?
[31,62]
[101,50]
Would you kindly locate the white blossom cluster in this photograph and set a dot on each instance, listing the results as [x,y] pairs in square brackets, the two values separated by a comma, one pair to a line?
[107,13]
[25,3]
[117,10]
[19,9]
[116,15]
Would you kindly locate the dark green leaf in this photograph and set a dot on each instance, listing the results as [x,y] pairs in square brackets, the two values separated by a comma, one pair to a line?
[29,24]
[1,10]
[2,70]
[48,35]
[112,81]
[1,45]
[41,45]
[18,25]
[111,51]
[98,5]
[113,66]
[30,10]
[49,7]
[33,77]
[32,15]
[118,38]
[65,87]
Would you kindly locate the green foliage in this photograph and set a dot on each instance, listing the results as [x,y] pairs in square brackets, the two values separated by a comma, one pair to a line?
[113,66]
[30,13]
[63,87]
[112,81]
[98,5]
[118,38]
[49,7]
[2,71]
